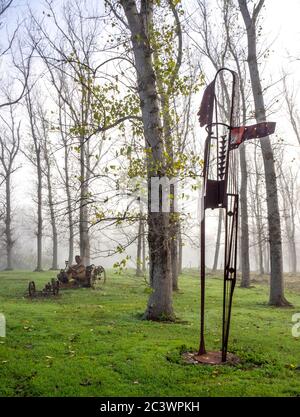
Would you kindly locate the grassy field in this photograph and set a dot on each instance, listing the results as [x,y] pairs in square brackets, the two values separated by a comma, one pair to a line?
[94,342]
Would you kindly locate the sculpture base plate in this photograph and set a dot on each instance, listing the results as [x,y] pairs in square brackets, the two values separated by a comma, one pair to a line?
[211,358]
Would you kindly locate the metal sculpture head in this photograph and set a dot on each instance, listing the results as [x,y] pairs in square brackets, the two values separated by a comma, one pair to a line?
[220,186]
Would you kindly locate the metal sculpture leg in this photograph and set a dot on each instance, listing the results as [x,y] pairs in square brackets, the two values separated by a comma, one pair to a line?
[231,229]
[230,261]
[202,287]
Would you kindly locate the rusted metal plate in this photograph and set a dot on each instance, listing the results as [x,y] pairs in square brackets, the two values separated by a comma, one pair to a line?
[205,112]
[241,133]
[214,197]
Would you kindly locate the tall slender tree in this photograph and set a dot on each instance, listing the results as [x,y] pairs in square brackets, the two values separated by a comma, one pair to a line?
[277,297]
[35,156]
[139,21]
[9,148]
[48,174]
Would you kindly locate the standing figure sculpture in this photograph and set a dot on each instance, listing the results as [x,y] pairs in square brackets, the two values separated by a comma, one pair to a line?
[220,189]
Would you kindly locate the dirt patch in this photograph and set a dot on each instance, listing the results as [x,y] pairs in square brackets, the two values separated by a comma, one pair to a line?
[209,358]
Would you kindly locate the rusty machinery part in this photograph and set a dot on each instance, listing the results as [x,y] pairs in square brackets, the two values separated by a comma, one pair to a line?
[55,286]
[95,276]
[100,270]
[98,276]
[220,190]
[47,289]
[50,289]
[62,276]
[89,274]
[31,289]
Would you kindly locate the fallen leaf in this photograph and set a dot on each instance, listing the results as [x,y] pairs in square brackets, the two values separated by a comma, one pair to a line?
[290,366]
[85,382]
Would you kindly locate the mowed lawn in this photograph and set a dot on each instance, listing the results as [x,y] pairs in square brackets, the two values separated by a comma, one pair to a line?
[95,343]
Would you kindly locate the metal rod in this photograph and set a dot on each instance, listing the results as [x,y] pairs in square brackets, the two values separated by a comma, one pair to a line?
[202,284]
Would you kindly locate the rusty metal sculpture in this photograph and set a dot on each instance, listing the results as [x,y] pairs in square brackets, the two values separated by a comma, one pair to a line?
[95,276]
[50,289]
[220,191]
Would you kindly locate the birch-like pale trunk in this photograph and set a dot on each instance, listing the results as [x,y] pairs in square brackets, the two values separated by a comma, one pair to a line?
[287,185]
[180,250]
[84,241]
[160,301]
[218,242]
[276,276]
[138,271]
[259,218]
[8,229]
[169,145]
[39,176]
[39,234]
[69,205]
[144,268]
[54,265]
[9,148]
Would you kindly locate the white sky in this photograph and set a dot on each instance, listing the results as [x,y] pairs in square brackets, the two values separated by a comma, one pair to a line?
[281,24]
[282,19]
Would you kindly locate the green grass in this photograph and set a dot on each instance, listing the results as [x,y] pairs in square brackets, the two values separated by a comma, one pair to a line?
[94,343]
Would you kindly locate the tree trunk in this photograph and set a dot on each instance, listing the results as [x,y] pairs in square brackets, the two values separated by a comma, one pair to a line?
[84,241]
[69,207]
[290,233]
[255,250]
[39,210]
[258,212]
[143,249]
[217,250]
[244,261]
[288,197]
[276,282]
[293,256]
[174,224]
[244,218]
[260,252]
[138,271]
[167,130]
[8,231]
[160,301]
[174,254]
[180,249]
[267,258]
[54,265]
